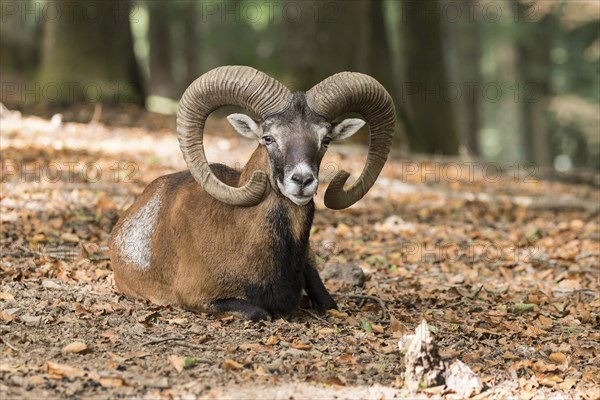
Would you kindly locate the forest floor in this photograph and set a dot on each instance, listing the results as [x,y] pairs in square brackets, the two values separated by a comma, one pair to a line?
[503,266]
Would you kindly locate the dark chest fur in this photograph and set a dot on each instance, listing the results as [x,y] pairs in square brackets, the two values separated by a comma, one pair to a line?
[281,296]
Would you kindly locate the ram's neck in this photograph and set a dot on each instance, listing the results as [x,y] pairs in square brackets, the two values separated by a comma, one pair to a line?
[298,218]
[259,161]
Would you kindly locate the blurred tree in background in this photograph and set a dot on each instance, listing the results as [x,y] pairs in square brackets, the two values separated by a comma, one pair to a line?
[89,54]
[508,80]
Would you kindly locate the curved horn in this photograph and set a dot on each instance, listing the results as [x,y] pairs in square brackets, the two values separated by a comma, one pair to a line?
[355,92]
[230,85]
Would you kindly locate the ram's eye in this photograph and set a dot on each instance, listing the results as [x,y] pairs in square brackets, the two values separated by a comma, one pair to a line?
[326,141]
[268,139]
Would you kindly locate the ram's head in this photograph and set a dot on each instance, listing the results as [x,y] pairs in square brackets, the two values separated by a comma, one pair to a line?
[295,128]
[296,141]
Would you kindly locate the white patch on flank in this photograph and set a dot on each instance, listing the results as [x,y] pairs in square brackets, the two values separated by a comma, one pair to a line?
[135,237]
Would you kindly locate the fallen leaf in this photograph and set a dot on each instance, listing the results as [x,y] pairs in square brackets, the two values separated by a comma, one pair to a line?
[302,346]
[148,317]
[435,390]
[557,358]
[58,371]
[395,325]
[347,359]
[366,325]
[75,347]
[189,362]
[37,380]
[177,321]
[6,296]
[460,378]
[30,320]
[79,310]
[343,229]
[90,249]
[229,364]
[111,382]
[39,237]
[337,314]
[249,346]
[116,358]
[6,317]
[51,284]
[544,322]
[567,384]
[332,380]
[566,287]
[532,331]
[541,366]
[520,308]
[550,380]
[177,362]
[159,383]
[69,237]
[449,353]
[106,308]
[509,356]
[273,340]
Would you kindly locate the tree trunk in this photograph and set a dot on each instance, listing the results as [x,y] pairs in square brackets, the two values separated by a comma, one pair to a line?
[466,43]
[534,47]
[427,80]
[504,140]
[88,55]
[19,40]
[320,43]
[193,46]
[159,35]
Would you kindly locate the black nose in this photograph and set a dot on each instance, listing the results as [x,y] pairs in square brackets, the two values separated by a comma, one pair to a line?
[303,179]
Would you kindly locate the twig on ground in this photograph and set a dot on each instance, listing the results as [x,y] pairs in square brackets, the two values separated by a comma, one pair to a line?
[179,339]
[162,340]
[315,316]
[586,255]
[190,345]
[365,297]
[7,343]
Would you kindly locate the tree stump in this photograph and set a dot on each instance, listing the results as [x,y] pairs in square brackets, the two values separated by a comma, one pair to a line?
[425,367]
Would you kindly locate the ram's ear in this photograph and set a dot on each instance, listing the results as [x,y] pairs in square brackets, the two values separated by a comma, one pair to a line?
[346,128]
[245,126]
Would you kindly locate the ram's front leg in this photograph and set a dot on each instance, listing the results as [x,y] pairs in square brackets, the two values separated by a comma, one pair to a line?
[241,307]
[319,297]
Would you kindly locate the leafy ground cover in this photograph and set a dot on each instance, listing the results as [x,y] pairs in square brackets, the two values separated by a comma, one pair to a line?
[502,265]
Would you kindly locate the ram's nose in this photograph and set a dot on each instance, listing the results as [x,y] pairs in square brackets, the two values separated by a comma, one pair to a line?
[303,179]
